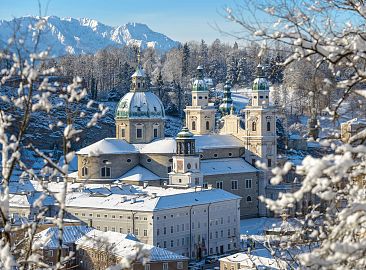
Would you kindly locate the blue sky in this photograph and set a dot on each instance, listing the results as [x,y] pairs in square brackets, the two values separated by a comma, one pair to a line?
[182,20]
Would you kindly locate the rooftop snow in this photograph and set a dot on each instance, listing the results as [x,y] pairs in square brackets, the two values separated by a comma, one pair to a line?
[225,166]
[168,145]
[139,174]
[49,238]
[108,146]
[169,198]
[123,246]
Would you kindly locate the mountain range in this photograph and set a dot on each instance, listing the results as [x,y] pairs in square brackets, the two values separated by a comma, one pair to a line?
[82,36]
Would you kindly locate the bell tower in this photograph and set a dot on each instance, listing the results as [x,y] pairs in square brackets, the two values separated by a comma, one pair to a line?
[260,130]
[186,162]
[200,117]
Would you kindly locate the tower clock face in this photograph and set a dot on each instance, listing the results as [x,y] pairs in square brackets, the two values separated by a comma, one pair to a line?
[179,165]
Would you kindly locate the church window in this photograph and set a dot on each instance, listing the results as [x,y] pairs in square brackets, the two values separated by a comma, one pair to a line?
[189,166]
[196,165]
[234,184]
[260,96]
[219,184]
[139,133]
[249,199]
[268,126]
[194,125]
[155,132]
[169,169]
[197,181]
[155,109]
[138,85]
[254,126]
[105,171]
[269,163]
[139,109]
[170,160]
[248,183]
[84,171]
[194,97]
[180,180]
[199,97]
[123,133]
[207,125]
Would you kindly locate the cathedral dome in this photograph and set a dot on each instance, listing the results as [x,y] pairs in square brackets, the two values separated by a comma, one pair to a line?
[140,105]
[199,85]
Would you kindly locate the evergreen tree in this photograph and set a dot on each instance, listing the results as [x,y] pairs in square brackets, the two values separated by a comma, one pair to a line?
[232,70]
[185,60]
[203,54]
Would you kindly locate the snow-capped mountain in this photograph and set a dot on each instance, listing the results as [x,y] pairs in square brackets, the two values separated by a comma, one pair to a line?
[83,36]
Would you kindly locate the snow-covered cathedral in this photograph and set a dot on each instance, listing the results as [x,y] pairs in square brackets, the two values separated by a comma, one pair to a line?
[201,156]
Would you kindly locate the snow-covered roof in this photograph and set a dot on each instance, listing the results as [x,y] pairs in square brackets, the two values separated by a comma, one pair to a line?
[108,146]
[217,141]
[211,141]
[226,166]
[169,198]
[48,238]
[138,73]
[257,259]
[139,174]
[27,199]
[123,246]
[166,145]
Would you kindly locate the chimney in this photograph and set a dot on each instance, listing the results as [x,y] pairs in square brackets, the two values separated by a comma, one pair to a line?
[165,184]
[124,198]
[153,195]
[133,200]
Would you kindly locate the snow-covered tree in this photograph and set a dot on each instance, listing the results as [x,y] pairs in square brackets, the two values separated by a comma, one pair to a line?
[333,233]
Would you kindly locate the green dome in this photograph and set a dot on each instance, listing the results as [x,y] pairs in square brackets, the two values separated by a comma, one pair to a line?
[199,85]
[185,133]
[140,105]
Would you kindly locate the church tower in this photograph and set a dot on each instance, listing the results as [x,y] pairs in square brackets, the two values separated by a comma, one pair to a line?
[140,113]
[260,130]
[200,117]
[186,162]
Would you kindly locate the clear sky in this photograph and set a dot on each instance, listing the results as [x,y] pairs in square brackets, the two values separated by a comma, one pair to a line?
[181,20]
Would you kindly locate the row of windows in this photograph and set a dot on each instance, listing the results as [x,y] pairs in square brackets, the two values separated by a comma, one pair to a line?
[194,125]
[139,133]
[109,216]
[254,126]
[121,230]
[216,155]
[165,266]
[200,97]
[235,184]
[220,221]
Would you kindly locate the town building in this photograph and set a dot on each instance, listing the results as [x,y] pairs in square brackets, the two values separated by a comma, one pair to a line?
[226,156]
[98,249]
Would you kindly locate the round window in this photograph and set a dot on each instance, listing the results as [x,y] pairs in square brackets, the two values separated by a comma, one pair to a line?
[215,155]
[148,160]
[129,160]
[230,154]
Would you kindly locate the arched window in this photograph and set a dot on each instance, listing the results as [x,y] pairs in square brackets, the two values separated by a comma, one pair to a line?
[84,171]
[194,125]
[254,126]
[249,199]
[268,126]
[207,125]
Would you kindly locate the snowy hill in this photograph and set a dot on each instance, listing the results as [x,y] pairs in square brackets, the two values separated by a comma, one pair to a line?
[83,36]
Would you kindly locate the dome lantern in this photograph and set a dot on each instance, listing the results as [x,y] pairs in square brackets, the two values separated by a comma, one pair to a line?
[199,85]
[260,83]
